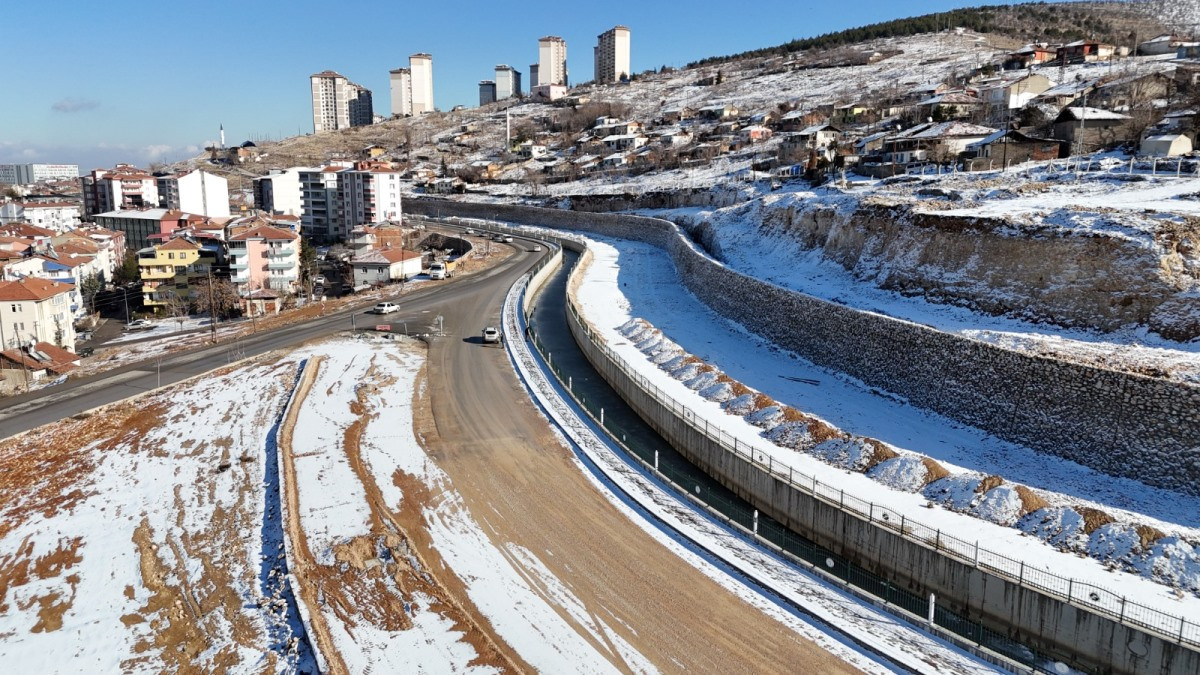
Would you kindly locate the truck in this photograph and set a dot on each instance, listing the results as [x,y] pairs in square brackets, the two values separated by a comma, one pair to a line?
[442,269]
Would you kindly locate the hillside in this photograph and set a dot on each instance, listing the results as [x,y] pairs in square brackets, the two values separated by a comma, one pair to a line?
[1119,23]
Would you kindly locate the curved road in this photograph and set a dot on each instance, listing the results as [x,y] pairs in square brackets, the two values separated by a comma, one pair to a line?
[518,480]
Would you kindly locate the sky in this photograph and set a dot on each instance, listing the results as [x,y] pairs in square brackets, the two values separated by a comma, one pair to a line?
[147,83]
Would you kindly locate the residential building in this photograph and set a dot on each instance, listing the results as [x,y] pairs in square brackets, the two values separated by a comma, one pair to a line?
[121,187]
[56,216]
[137,226]
[508,82]
[421,67]
[552,62]
[53,265]
[1008,146]
[34,362]
[29,174]
[264,257]
[1082,51]
[105,247]
[487,92]
[940,142]
[401,86]
[198,192]
[380,266]
[367,193]
[278,192]
[320,206]
[1162,44]
[36,310]
[338,103]
[548,92]
[611,55]
[1089,129]
[1005,94]
[170,269]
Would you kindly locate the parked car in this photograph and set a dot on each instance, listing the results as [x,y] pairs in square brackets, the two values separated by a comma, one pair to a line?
[386,308]
[139,324]
[319,280]
[507,239]
[491,335]
[469,231]
[85,351]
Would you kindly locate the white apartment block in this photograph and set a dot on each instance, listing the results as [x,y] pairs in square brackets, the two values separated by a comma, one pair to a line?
[56,216]
[28,174]
[121,187]
[338,103]
[279,192]
[369,193]
[612,55]
[487,92]
[197,192]
[421,67]
[508,82]
[401,81]
[552,62]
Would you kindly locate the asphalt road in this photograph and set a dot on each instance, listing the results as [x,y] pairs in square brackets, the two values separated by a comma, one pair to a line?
[418,311]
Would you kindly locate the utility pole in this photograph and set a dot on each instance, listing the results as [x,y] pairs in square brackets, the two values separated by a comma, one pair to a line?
[212,307]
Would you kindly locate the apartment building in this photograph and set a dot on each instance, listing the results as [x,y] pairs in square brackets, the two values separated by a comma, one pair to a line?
[487,92]
[533,75]
[264,257]
[401,83]
[611,55]
[338,103]
[278,192]
[198,192]
[36,310]
[320,205]
[171,269]
[508,82]
[421,66]
[28,174]
[368,193]
[56,216]
[121,187]
[552,61]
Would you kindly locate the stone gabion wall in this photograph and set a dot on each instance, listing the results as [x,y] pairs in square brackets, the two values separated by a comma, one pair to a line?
[1118,423]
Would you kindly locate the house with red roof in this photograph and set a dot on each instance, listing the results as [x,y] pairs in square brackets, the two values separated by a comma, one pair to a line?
[36,310]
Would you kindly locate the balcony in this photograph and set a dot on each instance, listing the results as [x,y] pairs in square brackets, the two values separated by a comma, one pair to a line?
[238,264]
[281,264]
[157,273]
[281,252]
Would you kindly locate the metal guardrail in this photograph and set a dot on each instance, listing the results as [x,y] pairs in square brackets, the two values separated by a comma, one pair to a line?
[1081,594]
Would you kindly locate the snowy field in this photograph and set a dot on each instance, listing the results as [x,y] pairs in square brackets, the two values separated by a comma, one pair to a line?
[629,280]
[135,545]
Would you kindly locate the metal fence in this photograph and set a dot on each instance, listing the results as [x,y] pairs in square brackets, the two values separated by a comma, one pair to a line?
[1082,594]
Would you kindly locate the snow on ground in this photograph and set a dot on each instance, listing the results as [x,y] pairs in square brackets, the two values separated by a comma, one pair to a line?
[166,514]
[628,280]
[707,545]
[161,328]
[498,580]
[784,261]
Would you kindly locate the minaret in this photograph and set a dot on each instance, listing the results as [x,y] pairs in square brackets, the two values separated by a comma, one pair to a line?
[222,136]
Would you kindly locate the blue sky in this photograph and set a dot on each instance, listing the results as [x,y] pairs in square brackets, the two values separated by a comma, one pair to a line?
[151,82]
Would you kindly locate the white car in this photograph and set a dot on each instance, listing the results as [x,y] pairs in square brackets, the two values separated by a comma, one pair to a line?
[386,308]
[319,280]
[536,249]
[507,239]
[469,231]
[491,335]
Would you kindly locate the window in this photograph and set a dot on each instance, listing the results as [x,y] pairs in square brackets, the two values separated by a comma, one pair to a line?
[16,307]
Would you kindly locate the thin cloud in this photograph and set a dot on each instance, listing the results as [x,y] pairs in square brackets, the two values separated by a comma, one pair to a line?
[74,105]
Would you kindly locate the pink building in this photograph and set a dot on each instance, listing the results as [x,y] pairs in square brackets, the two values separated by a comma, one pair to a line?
[264,257]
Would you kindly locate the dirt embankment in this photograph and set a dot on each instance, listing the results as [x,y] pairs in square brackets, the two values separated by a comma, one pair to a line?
[377,576]
[1065,278]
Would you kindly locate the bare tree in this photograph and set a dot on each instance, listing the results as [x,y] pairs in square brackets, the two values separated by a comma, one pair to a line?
[215,297]
[178,307]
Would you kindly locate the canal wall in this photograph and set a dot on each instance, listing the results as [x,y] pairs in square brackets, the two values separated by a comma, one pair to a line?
[1122,424]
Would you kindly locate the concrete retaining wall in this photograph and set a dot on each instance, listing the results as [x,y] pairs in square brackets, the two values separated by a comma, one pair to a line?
[1119,423]
[1056,628]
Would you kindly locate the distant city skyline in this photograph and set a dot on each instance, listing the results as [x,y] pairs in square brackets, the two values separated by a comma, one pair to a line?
[186,69]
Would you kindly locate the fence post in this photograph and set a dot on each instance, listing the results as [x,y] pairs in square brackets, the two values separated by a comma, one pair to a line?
[977,553]
[1122,619]
[1070,587]
[1021,574]
[937,540]
[932,607]
[755,522]
[1182,623]
[901,524]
